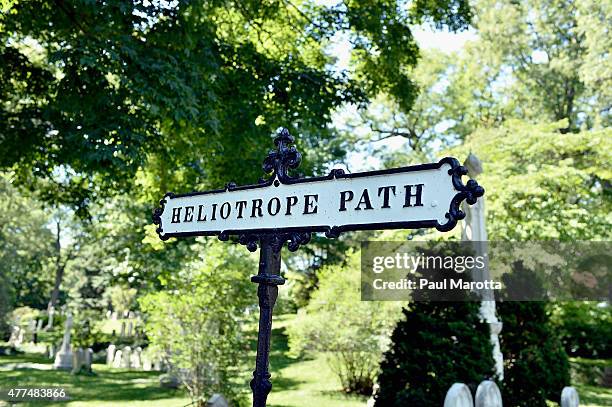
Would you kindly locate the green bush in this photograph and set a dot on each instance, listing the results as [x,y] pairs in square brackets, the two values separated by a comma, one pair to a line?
[352,332]
[584,328]
[194,324]
[536,367]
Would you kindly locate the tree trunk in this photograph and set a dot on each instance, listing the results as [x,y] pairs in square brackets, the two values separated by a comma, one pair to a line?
[59,269]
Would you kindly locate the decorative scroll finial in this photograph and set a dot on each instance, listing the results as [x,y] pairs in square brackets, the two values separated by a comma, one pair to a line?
[285,157]
[469,192]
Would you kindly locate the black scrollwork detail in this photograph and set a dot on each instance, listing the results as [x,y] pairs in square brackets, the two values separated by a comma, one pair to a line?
[469,192]
[285,157]
[250,241]
[157,213]
[276,240]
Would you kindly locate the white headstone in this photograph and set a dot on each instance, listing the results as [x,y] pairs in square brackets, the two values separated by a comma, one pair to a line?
[78,357]
[88,360]
[51,351]
[63,358]
[136,360]
[458,395]
[488,395]
[217,400]
[146,363]
[39,325]
[126,359]
[110,354]
[122,333]
[569,397]
[475,230]
[108,314]
[51,312]
[118,358]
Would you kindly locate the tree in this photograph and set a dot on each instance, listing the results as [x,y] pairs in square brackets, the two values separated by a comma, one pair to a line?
[351,331]
[195,323]
[536,367]
[99,91]
[555,186]
[435,345]
[26,245]
[542,43]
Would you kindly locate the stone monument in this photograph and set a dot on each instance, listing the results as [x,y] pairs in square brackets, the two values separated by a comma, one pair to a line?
[63,358]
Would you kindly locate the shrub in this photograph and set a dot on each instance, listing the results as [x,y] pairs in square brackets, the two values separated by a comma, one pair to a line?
[536,367]
[353,333]
[194,324]
[584,328]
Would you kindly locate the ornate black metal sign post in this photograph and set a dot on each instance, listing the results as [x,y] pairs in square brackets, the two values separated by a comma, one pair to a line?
[288,209]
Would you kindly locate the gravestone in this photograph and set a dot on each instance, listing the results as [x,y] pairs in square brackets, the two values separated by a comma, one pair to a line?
[459,395]
[169,381]
[63,358]
[117,359]
[136,360]
[488,395]
[39,326]
[31,329]
[108,314]
[130,328]
[474,230]
[51,353]
[122,332]
[78,357]
[217,400]
[88,360]
[569,397]
[146,363]
[16,335]
[110,354]
[51,312]
[126,358]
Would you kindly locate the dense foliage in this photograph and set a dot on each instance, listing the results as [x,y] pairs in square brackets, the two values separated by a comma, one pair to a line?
[585,328]
[536,367]
[99,90]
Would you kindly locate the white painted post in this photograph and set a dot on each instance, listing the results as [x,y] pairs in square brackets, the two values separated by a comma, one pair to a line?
[474,230]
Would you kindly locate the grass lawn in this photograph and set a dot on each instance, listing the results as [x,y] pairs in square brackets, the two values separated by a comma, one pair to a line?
[303,382]
[108,387]
[297,382]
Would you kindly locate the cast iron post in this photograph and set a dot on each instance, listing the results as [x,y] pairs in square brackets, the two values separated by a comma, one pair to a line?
[268,279]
